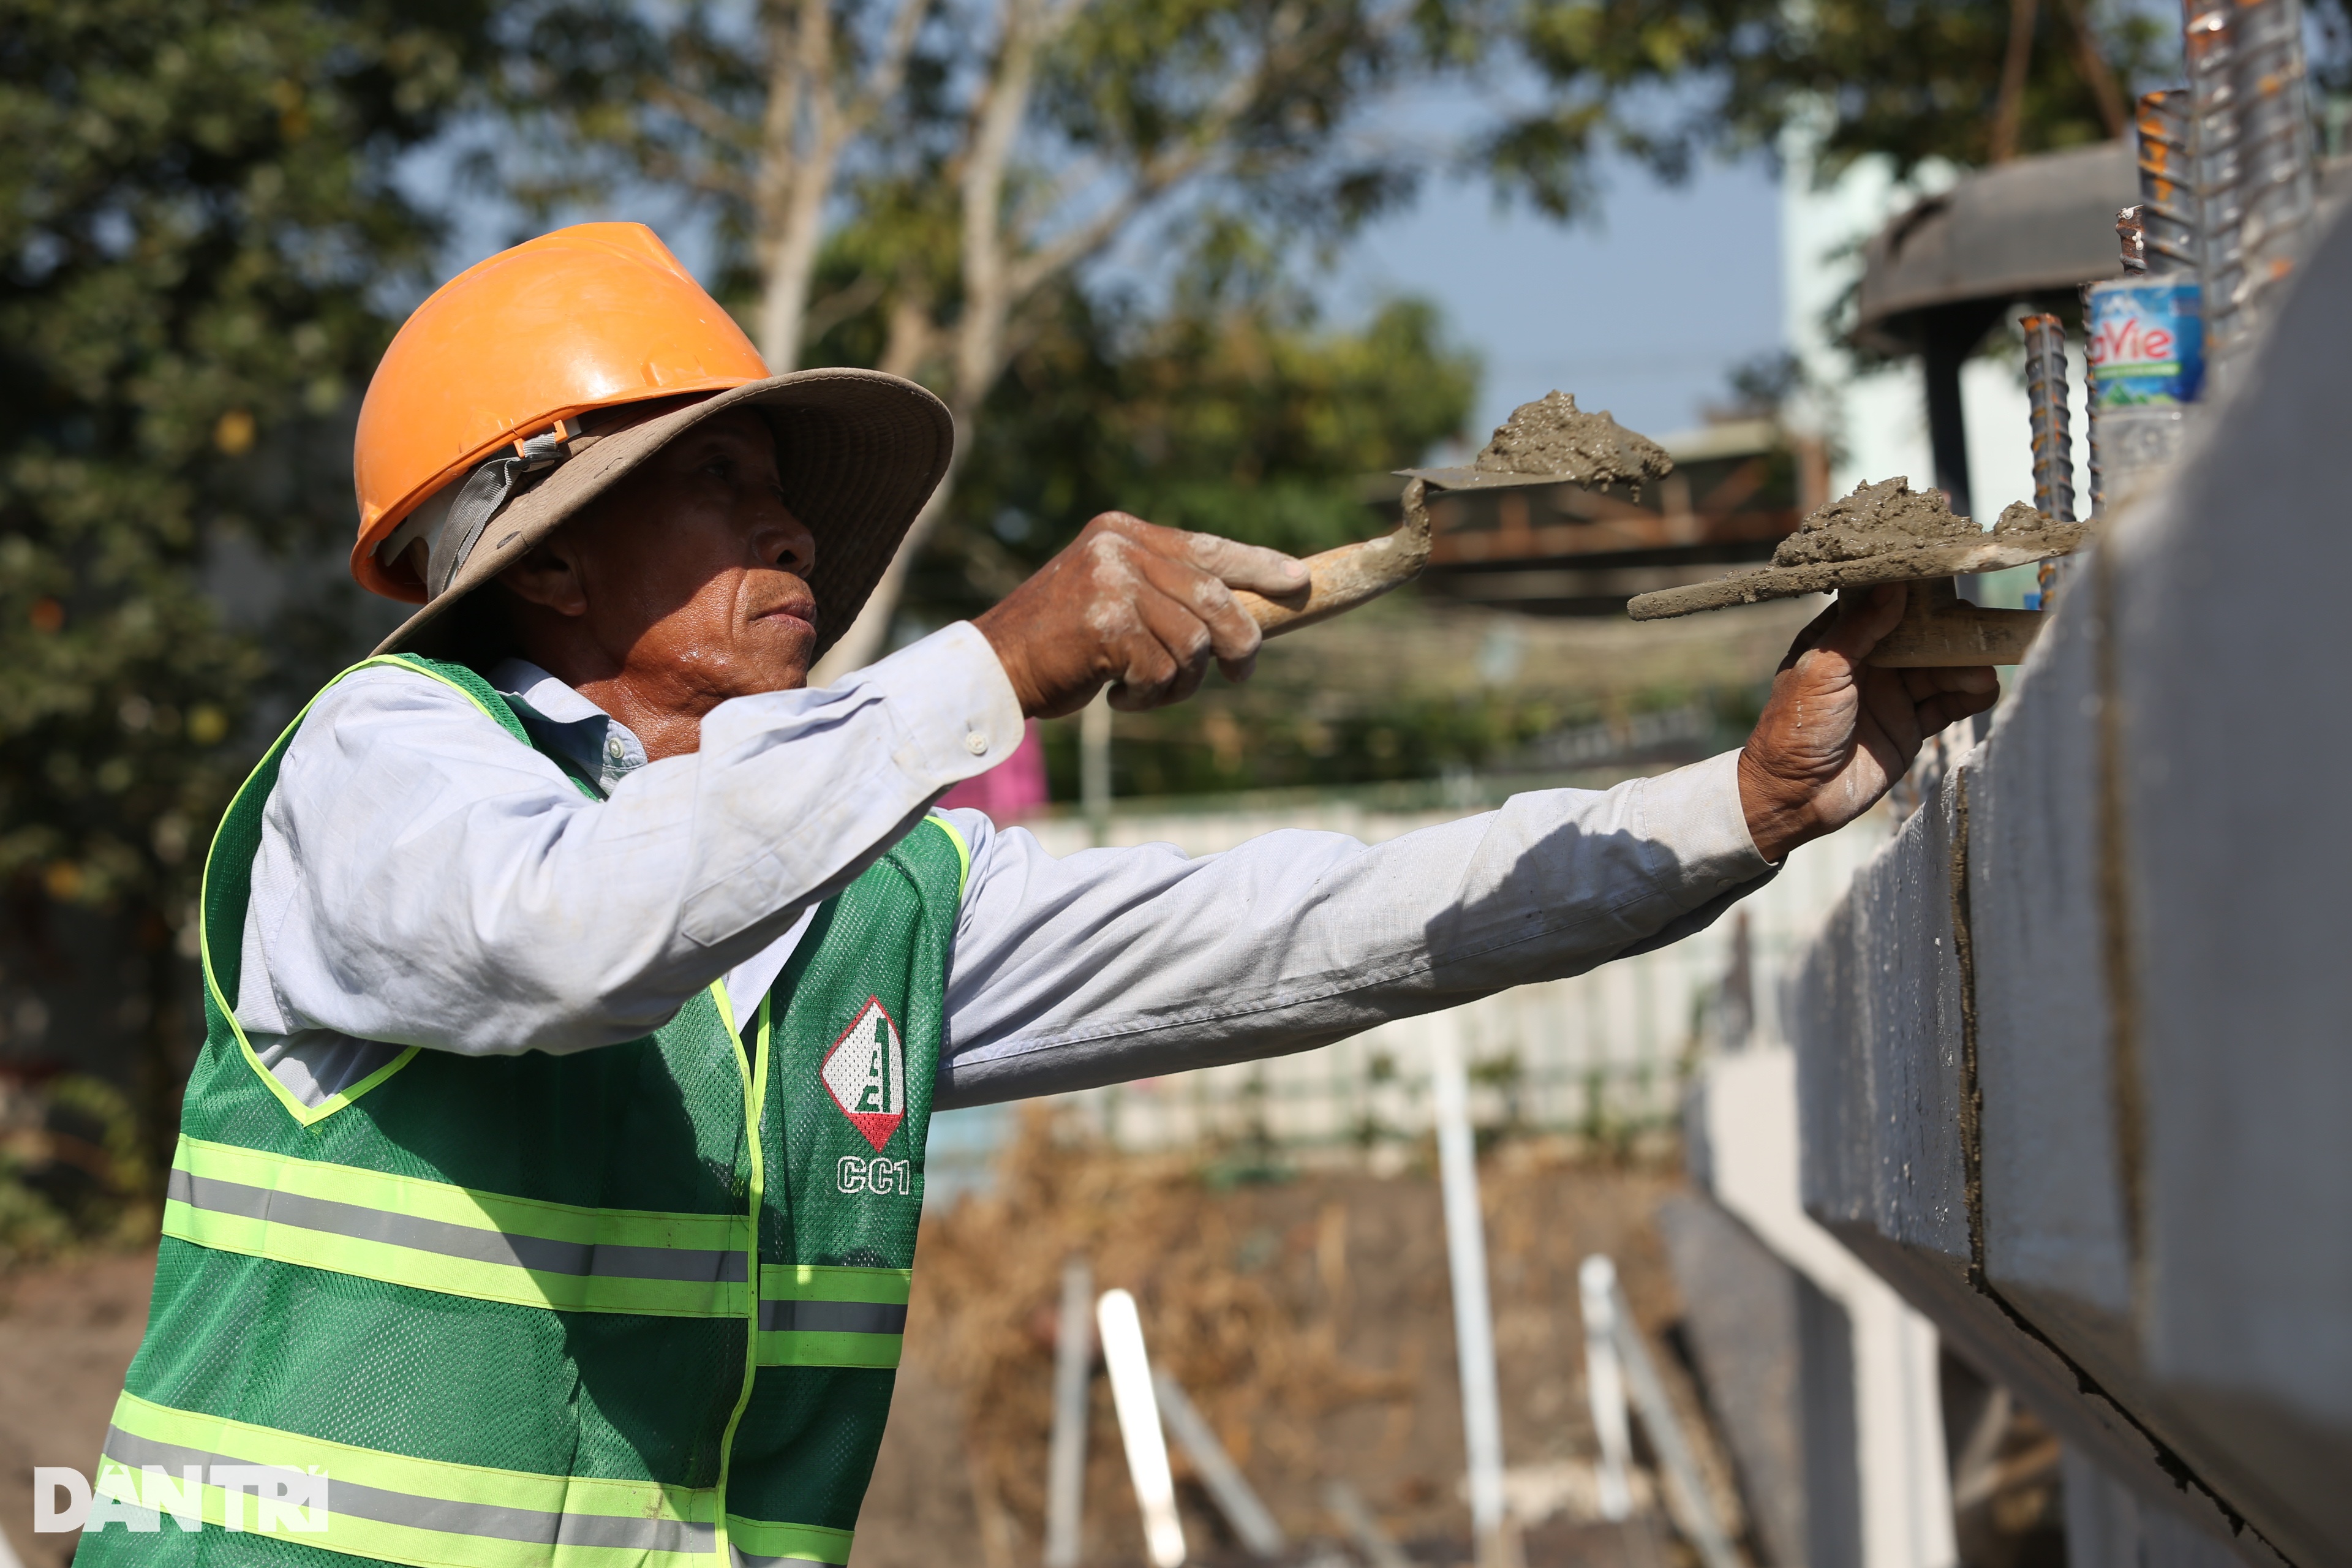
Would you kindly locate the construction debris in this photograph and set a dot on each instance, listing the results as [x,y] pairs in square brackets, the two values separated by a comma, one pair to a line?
[1308,1319]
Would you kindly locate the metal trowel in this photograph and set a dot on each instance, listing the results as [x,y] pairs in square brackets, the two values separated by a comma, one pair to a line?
[1887,532]
[1548,442]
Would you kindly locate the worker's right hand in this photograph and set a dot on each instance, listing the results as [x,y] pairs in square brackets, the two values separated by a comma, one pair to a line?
[1141,607]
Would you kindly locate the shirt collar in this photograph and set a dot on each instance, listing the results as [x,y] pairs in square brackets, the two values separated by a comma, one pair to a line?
[599,747]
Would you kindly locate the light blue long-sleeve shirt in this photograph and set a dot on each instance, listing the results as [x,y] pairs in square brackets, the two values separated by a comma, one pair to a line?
[422,880]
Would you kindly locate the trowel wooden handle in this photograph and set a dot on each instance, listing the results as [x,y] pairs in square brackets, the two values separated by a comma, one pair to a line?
[1341,579]
[1941,630]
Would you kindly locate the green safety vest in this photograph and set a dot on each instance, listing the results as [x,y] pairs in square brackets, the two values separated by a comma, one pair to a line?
[529,1310]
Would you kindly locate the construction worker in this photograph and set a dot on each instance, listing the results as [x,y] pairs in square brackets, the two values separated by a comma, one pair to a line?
[580,985]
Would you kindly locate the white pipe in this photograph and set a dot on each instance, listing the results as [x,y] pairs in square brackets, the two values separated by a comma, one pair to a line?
[1138,1427]
[1065,1469]
[1465,1257]
[1227,1484]
[1684,1487]
[1348,1508]
[1604,1382]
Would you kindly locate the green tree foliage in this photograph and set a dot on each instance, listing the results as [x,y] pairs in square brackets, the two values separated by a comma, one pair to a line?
[946,168]
[1966,81]
[1246,418]
[197,219]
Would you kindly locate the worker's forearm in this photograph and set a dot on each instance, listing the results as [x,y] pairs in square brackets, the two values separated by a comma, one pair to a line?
[1115,964]
[453,888]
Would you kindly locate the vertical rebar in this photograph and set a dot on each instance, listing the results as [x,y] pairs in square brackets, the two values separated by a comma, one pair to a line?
[2209,38]
[2054,446]
[2169,224]
[2257,175]
[2092,476]
[2277,168]
[2045,392]
[2133,234]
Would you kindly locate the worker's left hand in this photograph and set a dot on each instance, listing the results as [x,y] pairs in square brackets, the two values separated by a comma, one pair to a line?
[1837,732]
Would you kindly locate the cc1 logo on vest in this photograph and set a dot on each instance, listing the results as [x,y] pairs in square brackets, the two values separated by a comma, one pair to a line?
[865,1074]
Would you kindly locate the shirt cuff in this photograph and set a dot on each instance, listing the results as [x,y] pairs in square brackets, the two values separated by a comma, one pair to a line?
[952,703]
[1694,812]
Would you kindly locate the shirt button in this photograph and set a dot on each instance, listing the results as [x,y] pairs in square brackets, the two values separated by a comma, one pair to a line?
[614,749]
[976,744]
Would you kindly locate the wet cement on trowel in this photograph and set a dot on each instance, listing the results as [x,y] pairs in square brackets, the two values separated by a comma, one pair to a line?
[1890,518]
[1883,532]
[1554,437]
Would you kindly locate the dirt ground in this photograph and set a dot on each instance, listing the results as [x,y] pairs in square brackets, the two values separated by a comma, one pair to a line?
[1309,1316]
[65,1333]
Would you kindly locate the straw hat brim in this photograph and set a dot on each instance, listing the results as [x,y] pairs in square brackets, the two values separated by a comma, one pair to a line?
[859,452]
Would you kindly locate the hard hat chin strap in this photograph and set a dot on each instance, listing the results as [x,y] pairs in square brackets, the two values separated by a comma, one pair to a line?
[485,494]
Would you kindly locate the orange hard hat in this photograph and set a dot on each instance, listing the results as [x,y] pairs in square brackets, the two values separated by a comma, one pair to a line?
[585,318]
[532,382]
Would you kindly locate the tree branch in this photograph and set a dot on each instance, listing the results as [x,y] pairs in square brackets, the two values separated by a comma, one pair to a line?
[799,163]
[2009,107]
[890,71]
[1285,52]
[2096,71]
[823,315]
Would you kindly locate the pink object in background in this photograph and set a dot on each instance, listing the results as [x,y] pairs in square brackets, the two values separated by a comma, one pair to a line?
[1012,788]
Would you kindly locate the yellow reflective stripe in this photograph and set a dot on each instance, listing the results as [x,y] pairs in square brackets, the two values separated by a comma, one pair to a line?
[962,849]
[828,1283]
[807,1347]
[753,1067]
[825,1315]
[438,1236]
[305,1115]
[758,1542]
[402,1509]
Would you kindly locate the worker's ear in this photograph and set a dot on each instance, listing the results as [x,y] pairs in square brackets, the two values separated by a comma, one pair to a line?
[549,574]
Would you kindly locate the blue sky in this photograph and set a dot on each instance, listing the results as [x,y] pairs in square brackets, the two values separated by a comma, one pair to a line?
[1642,312]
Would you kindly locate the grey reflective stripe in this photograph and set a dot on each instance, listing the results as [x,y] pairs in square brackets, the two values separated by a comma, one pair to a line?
[584,1258]
[831,1318]
[526,1525]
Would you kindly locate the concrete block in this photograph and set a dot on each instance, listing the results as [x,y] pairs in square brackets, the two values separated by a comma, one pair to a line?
[2233,634]
[2054,1237]
[2109,1525]
[1877,1004]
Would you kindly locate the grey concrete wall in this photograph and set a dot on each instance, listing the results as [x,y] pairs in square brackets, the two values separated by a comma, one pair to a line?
[2076,1051]
[2109,1526]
